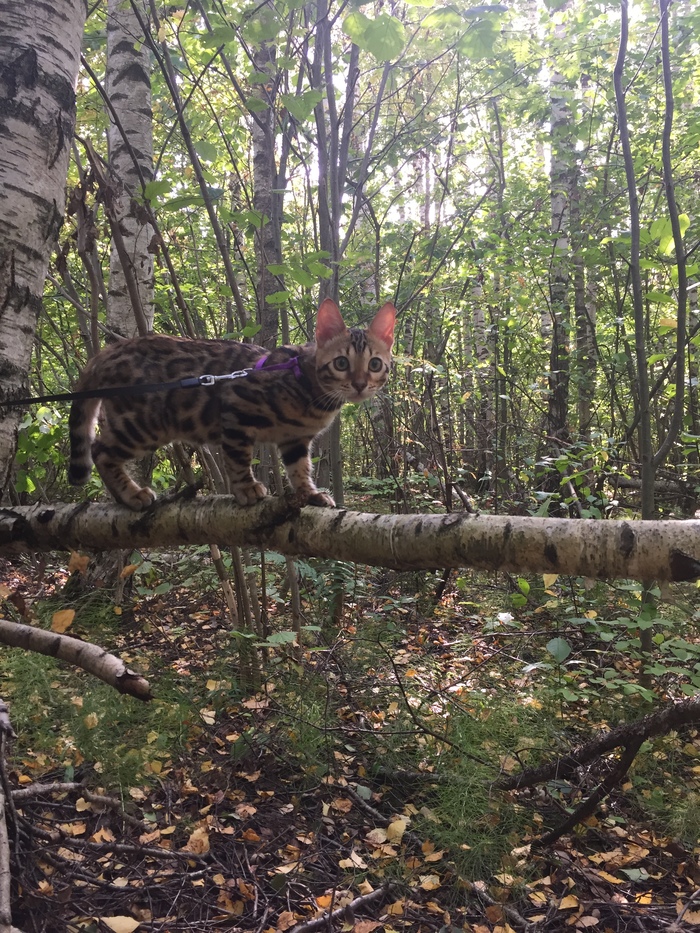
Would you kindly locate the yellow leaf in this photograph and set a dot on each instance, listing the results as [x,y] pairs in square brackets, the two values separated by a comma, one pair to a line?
[606,876]
[121,924]
[161,33]
[73,829]
[286,920]
[91,720]
[128,570]
[396,909]
[435,856]
[62,620]
[78,562]
[366,926]
[82,804]
[668,322]
[430,882]
[395,830]
[568,902]
[549,579]
[198,843]
[354,861]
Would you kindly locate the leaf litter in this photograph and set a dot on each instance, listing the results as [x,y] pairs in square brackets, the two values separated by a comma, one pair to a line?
[230,831]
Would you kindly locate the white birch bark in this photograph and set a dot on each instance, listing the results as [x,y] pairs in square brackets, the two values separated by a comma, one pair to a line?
[661,550]
[130,143]
[39,60]
[83,654]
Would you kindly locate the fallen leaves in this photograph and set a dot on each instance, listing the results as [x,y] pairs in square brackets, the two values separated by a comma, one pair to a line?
[62,620]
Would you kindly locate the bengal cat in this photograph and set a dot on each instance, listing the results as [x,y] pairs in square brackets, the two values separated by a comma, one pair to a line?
[287,398]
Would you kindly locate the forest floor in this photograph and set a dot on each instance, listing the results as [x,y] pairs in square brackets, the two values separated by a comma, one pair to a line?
[343,786]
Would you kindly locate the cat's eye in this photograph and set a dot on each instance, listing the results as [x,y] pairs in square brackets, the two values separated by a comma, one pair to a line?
[375,365]
[341,363]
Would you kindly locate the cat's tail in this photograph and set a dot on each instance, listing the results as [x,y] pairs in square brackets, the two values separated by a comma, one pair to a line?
[81,425]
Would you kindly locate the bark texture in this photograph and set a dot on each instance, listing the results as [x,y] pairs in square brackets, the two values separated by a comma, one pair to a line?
[661,550]
[130,141]
[39,59]
[89,657]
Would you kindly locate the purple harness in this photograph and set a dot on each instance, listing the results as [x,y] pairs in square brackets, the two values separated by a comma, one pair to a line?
[292,363]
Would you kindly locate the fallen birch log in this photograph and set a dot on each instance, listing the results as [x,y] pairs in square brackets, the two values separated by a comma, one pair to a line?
[650,550]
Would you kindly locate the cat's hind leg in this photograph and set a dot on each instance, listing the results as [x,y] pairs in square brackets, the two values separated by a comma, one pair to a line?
[238,451]
[296,456]
[109,453]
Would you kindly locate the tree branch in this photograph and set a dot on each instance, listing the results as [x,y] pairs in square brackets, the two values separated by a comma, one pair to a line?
[89,657]
[660,550]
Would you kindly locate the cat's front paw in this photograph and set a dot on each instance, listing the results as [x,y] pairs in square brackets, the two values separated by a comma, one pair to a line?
[249,494]
[321,499]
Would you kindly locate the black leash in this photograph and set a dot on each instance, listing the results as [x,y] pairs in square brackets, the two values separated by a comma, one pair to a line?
[191,382]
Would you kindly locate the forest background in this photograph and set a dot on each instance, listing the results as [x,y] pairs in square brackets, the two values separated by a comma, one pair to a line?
[523,185]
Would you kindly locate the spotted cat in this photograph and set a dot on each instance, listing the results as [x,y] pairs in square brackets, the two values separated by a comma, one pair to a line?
[287,397]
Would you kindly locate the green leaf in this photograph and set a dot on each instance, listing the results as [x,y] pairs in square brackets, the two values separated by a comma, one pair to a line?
[254,104]
[262,26]
[301,106]
[220,35]
[559,648]
[383,37]
[250,217]
[206,150]
[281,638]
[185,200]
[660,297]
[479,41]
[444,18]
[278,298]
[319,270]
[154,189]
[302,278]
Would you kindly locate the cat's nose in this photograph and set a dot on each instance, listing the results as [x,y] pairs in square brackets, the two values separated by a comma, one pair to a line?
[359,385]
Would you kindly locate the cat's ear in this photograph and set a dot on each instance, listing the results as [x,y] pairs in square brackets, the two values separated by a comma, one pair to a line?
[329,323]
[382,327]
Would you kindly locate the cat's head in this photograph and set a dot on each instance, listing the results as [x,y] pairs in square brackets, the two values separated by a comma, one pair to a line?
[353,364]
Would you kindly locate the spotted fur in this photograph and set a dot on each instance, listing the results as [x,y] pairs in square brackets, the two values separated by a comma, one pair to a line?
[266,406]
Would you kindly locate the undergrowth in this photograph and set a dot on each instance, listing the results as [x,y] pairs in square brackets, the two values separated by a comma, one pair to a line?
[427,705]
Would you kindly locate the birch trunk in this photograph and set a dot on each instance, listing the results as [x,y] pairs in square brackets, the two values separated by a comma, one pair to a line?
[661,550]
[130,143]
[40,55]
[268,237]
